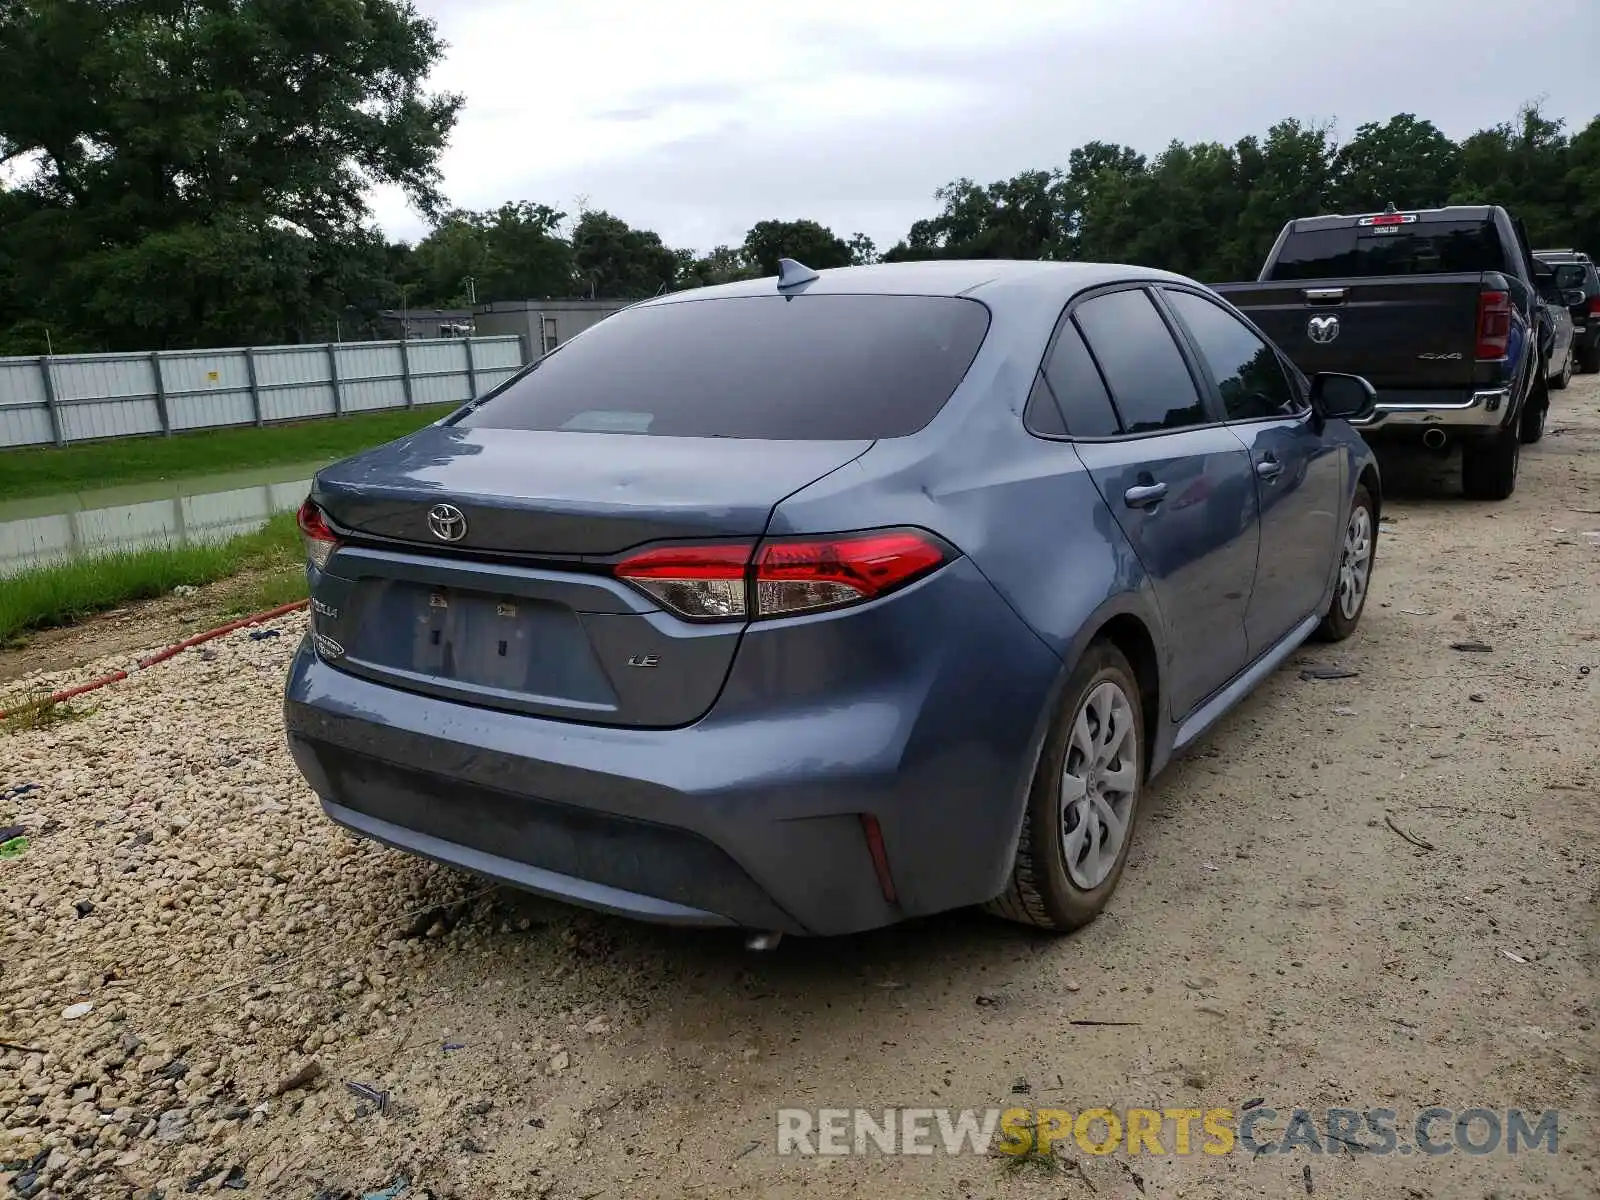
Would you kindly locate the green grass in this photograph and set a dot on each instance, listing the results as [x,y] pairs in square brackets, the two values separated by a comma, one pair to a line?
[42,470]
[61,593]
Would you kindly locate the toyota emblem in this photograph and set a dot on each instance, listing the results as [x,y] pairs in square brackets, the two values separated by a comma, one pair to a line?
[448,522]
[1322,330]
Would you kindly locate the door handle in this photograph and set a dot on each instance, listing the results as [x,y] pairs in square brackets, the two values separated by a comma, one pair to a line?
[1269,468]
[1145,495]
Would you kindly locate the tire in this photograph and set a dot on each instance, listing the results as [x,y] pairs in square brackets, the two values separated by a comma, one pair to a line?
[1358,552]
[1559,383]
[1589,360]
[1531,427]
[1046,890]
[1489,466]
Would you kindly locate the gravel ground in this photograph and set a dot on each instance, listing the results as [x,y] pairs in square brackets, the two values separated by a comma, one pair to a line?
[238,962]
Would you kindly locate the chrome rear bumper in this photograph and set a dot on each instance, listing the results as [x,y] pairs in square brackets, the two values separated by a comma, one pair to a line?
[1480,410]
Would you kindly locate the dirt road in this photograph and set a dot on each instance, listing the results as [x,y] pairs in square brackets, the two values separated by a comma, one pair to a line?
[1279,935]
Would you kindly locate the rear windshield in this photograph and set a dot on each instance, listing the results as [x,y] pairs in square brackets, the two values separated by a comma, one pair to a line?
[808,367]
[1423,248]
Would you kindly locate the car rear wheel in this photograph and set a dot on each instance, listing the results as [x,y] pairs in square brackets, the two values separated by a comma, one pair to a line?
[1531,427]
[1084,802]
[1489,465]
[1560,382]
[1356,555]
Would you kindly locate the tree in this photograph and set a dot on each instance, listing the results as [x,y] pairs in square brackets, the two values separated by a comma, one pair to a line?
[1583,187]
[863,251]
[195,173]
[806,241]
[1010,218]
[1286,176]
[1521,164]
[612,260]
[725,264]
[1405,161]
[513,252]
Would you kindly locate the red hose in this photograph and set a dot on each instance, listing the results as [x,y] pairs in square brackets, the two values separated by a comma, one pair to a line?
[163,655]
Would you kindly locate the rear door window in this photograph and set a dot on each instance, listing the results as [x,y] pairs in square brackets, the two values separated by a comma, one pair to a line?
[1147,375]
[1248,374]
[1421,248]
[1085,404]
[824,367]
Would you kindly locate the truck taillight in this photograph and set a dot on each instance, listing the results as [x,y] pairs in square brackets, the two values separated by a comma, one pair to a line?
[1494,325]
[319,539]
[782,576]
[1594,305]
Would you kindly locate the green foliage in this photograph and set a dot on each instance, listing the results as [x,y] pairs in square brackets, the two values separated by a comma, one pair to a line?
[805,241]
[1213,211]
[615,261]
[57,594]
[514,252]
[193,172]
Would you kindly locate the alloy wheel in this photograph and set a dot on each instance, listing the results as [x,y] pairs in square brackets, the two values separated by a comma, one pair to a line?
[1099,781]
[1355,566]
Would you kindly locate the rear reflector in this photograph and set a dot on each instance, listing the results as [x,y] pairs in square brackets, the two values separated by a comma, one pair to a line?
[319,539]
[1494,325]
[880,857]
[784,576]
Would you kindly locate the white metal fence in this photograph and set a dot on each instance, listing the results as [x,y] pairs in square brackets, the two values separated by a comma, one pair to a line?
[36,533]
[56,399]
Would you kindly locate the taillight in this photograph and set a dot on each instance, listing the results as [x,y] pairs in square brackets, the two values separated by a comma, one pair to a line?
[1594,305]
[703,583]
[783,576]
[795,576]
[319,539]
[1494,324]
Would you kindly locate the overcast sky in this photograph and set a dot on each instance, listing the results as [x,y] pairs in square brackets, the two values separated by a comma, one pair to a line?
[697,118]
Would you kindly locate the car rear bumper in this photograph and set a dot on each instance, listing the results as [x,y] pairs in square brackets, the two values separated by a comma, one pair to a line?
[1484,409]
[749,817]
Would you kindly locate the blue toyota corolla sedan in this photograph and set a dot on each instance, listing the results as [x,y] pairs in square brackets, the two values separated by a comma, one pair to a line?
[814,603]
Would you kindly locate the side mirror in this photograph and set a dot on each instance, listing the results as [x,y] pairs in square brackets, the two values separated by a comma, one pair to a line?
[1573,297]
[1343,397]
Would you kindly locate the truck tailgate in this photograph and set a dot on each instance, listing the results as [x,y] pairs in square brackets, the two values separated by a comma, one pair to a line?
[1405,332]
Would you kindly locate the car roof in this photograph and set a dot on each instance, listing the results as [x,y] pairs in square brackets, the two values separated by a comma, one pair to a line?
[941,277]
[1425,216]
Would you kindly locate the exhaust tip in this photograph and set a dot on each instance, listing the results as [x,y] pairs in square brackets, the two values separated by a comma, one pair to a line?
[1433,438]
[762,940]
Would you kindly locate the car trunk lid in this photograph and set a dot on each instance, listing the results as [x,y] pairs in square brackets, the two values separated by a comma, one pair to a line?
[473,564]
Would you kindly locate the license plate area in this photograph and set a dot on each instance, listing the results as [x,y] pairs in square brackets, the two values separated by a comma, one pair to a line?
[506,646]
[470,637]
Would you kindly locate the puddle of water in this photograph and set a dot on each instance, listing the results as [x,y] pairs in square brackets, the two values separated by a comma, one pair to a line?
[197,508]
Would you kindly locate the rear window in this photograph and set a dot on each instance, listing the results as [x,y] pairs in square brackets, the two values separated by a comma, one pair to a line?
[806,367]
[1422,248]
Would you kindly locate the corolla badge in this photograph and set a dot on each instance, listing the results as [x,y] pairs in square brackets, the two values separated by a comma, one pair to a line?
[326,646]
[447,522]
[1322,330]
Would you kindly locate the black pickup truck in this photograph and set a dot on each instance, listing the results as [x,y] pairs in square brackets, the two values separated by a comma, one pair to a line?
[1438,309]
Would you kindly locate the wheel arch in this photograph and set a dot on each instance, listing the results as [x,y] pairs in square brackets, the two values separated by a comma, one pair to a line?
[1368,478]
[1134,641]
